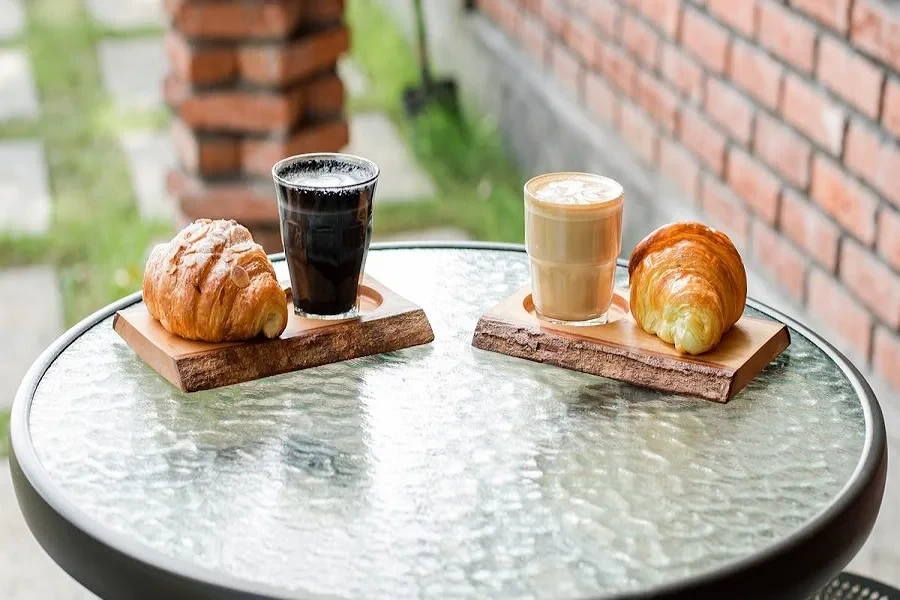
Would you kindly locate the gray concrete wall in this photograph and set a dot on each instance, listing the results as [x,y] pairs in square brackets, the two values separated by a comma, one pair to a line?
[546,130]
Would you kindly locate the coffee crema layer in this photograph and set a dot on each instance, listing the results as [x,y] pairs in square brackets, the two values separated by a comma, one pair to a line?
[322,180]
[574,189]
[324,171]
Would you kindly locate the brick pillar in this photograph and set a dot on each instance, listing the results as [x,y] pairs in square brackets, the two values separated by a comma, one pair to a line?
[252,81]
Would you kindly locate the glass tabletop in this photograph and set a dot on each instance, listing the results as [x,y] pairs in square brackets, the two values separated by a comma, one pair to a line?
[442,470]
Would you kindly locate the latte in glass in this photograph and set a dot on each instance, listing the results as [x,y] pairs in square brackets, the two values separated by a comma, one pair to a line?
[573,234]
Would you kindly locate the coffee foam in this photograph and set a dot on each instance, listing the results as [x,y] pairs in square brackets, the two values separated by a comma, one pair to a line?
[326,172]
[322,179]
[576,189]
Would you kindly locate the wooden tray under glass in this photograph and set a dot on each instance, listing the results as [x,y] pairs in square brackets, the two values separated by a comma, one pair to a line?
[387,322]
[620,349]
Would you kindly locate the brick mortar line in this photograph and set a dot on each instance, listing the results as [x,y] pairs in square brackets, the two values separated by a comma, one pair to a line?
[238,85]
[882,92]
[200,43]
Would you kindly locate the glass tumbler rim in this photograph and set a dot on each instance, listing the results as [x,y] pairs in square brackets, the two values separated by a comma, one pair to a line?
[296,158]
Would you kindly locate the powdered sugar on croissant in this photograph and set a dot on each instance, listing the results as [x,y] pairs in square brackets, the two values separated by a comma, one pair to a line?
[688,285]
[213,283]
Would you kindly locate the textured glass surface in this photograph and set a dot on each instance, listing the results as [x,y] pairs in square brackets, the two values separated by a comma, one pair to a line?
[445,471]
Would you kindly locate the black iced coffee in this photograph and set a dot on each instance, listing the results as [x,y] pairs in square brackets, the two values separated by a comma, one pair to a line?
[325,205]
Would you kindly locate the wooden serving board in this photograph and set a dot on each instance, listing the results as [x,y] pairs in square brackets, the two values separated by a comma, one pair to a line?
[387,322]
[622,350]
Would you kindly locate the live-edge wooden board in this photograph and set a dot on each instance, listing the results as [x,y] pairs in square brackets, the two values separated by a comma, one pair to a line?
[387,322]
[622,350]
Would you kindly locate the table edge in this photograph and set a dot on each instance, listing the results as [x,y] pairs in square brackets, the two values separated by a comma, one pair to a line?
[860,498]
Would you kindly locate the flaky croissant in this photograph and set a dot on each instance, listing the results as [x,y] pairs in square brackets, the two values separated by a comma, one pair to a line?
[213,283]
[688,285]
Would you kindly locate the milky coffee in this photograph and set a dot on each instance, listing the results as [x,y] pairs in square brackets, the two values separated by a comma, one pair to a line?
[573,234]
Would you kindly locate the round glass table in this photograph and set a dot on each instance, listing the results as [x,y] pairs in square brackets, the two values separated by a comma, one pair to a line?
[443,471]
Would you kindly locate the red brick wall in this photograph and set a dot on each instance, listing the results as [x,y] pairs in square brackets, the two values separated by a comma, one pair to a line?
[778,118]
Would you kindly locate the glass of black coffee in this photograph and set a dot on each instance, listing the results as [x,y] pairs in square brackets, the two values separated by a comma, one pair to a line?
[325,205]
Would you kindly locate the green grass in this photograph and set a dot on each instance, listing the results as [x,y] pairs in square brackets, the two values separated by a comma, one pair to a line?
[4,432]
[97,239]
[478,188]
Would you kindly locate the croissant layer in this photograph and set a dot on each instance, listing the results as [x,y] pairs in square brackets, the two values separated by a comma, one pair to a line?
[213,283]
[688,285]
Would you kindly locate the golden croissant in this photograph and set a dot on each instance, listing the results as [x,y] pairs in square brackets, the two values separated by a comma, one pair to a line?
[688,285]
[213,283]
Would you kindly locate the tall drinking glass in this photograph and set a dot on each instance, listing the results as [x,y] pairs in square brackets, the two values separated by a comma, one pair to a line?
[325,208]
[573,234]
